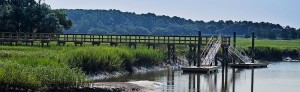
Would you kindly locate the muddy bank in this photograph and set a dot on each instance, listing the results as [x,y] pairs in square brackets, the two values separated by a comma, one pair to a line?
[106,75]
[133,86]
[181,61]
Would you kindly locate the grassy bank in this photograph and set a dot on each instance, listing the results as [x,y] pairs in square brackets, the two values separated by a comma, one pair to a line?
[271,50]
[67,66]
[280,44]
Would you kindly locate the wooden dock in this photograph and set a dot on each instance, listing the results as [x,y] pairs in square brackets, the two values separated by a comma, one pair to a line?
[249,65]
[201,69]
[97,39]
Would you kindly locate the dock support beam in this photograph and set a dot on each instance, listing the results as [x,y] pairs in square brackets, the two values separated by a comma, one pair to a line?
[61,42]
[199,48]
[149,45]
[171,53]
[132,45]
[252,51]
[190,55]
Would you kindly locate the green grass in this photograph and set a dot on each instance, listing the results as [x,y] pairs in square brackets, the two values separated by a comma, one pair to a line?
[93,59]
[36,68]
[280,44]
[271,50]
[67,66]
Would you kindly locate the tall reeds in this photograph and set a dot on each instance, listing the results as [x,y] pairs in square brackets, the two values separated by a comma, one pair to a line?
[67,66]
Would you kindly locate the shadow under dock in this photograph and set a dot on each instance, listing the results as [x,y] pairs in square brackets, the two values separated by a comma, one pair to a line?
[249,65]
[201,69]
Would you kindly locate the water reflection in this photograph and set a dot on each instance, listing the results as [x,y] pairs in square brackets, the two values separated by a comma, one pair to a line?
[170,79]
[209,82]
[202,82]
[278,77]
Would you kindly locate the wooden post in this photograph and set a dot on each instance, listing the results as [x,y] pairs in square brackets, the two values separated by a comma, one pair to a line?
[190,55]
[216,60]
[173,53]
[168,39]
[194,55]
[91,37]
[130,39]
[135,40]
[169,55]
[148,38]
[234,44]
[252,51]
[111,39]
[139,38]
[206,39]
[199,48]
[67,37]
[154,39]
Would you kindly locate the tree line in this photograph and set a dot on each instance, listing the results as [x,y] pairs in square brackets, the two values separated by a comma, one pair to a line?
[35,16]
[117,22]
[31,16]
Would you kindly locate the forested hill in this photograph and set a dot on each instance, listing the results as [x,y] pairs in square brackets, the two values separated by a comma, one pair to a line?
[117,22]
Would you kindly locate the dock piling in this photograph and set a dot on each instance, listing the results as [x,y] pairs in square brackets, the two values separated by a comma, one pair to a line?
[234,44]
[252,51]
[199,48]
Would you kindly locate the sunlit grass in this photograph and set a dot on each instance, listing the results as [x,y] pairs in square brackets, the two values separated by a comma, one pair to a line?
[67,66]
[280,44]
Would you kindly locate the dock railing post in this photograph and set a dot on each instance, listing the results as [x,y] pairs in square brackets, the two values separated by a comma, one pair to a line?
[199,48]
[252,51]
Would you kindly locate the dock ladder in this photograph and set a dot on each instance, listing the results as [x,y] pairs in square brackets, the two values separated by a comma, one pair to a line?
[210,51]
[242,57]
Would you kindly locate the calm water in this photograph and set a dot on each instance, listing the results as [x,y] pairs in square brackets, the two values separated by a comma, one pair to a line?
[278,77]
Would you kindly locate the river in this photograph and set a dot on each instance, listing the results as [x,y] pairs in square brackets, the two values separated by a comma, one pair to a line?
[278,77]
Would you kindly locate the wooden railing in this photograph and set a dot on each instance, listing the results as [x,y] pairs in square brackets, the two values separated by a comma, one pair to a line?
[187,40]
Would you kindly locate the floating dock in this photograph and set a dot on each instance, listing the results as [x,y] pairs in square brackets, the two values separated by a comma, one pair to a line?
[201,69]
[249,65]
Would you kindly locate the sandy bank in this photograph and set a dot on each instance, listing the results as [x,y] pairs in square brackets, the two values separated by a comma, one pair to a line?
[133,86]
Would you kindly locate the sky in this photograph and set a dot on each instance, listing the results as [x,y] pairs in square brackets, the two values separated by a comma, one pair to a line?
[283,12]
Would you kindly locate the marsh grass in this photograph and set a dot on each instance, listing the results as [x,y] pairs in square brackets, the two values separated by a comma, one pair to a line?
[67,66]
[146,57]
[93,59]
[279,44]
[271,50]
[35,77]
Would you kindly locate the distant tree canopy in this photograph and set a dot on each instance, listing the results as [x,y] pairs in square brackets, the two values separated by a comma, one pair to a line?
[31,16]
[117,22]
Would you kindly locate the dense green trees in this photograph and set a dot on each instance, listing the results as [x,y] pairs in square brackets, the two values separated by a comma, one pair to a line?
[117,22]
[31,16]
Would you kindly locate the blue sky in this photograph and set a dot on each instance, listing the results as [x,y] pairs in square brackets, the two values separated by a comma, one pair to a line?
[284,12]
